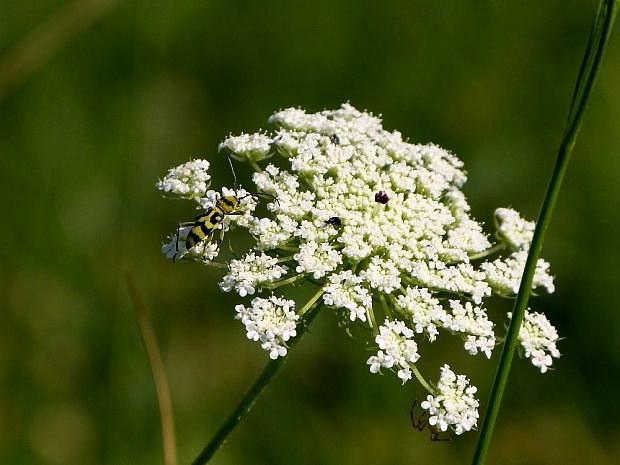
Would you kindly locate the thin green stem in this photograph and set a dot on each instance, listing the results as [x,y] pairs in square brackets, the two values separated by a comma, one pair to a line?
[490,251]
[386,307]
[290,280]
[587,77]
[162,388]
[422,381]
[370,314]
[311,303]
[255,166]
[215,265]
[288,248]
[309,311]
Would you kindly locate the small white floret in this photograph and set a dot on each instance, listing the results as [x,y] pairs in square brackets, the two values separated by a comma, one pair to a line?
[189,180]
[345,291]
[472,322]
[397,350]
[270,321]
[454,406]
[538,338]
[504,274]
[513,229]
[248,147]
[249,273]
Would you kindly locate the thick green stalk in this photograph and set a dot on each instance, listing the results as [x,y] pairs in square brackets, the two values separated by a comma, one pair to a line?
[308,313]
[595,49]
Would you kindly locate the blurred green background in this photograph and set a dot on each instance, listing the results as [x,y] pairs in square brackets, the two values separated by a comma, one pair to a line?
[98,98]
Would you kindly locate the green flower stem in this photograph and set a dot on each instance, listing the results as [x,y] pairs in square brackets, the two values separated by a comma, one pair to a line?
[256,167]
[421,380]
[595,49]
[370,315]
[386,307]
[288,248]
[310,305]
[291,280]
[309,311]
[486,253]
[216,265]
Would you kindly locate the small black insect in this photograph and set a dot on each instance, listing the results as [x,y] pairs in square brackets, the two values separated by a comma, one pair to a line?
[381,197]
[335,139]
[334,221]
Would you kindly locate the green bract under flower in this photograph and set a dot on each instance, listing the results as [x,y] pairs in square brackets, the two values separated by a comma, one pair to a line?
[381,225]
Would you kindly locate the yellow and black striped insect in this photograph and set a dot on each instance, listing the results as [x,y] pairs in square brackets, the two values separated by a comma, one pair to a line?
[209,220]
[204,224]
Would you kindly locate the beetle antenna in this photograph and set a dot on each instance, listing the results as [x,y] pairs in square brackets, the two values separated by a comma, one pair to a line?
[236,186]
[257,194]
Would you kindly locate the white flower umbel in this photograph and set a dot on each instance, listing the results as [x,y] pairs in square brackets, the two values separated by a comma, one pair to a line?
[382,275]
[397,349]
[538,338]
[318,259]
[513,229]
[474,324]
[345,291]
[504,274]
[248,147]
[425,311]
[454,405]
[189,180]
[270,321]
[245,275]
[380,225]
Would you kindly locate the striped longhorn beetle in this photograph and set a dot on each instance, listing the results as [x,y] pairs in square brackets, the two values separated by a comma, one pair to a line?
[207,222]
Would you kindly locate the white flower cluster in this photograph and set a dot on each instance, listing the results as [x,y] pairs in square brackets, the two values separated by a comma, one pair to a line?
[248,147]
[189,180]
[427,314]
[538,339]
[513,229]
[319,258]
[454,405]
[473,322]
[345,291]
[504,274]
[271,321]
[396,349]
[175,248]
[245,275]
[382,226]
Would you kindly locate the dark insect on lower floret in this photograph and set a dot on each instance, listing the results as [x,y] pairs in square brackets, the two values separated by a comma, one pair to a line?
[422,422]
